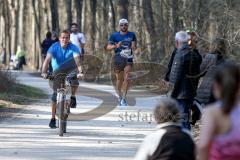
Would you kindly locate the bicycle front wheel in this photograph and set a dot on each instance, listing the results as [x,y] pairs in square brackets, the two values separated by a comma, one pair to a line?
[60,107]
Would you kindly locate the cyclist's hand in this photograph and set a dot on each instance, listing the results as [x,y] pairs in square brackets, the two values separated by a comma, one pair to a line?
[44,75]
[80,75]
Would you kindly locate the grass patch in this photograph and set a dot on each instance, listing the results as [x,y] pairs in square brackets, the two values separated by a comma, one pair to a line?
[21,94]
[2,106]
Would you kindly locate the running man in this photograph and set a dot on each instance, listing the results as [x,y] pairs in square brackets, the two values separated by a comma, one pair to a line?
[124,43]
[65,58]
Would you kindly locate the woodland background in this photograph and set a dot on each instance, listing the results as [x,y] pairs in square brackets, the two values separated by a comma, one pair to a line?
[155,22]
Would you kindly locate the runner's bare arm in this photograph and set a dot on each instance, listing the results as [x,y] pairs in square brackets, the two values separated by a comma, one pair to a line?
[113,46]
[134,45]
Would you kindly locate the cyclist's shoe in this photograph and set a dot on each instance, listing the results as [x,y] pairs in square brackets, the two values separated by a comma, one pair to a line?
[73,102]
[123,102]
[52,123]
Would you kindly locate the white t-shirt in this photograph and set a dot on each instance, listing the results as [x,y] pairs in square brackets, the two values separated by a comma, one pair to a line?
[76,38]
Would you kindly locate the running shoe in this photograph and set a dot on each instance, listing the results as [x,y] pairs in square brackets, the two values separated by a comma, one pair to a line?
[73,102]
[52,123]
[123,102]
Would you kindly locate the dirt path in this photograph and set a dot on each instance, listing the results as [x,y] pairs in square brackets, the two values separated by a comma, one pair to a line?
[115,135]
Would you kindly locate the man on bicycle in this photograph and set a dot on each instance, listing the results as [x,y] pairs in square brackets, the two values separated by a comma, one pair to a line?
[65,58]
[123,43]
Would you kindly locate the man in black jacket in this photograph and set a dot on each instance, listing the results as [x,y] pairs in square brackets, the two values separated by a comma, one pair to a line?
[184,75]
[191,42]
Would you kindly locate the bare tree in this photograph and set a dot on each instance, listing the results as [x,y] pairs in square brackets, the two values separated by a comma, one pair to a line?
[155,22]
[149,22]
[91,24]
[36,13]
[14,8]
[113,14]
[54,12]
[175,16]
[69,12]
[7,35]
[45,14]
[21,33]
[79,5]
[123,9]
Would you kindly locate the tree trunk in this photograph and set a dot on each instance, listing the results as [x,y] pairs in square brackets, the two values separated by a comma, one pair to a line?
[79,6]
[36,13]
[175,16]
[54,14]
[91,25]
[161,31]
[113,15]
[149,23]
[14,7]
[6,16]
[22,17]
[45,15]
[69,12]
[123,9]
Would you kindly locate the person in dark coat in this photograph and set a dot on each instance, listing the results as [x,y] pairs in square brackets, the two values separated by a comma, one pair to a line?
[192,42]
[45,45]
[184,75]
[209,65]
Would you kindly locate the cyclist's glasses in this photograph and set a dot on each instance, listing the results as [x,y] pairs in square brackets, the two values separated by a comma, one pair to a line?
[123,25]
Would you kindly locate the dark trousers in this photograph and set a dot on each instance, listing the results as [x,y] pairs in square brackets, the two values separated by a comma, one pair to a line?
[21,62]
[185,107]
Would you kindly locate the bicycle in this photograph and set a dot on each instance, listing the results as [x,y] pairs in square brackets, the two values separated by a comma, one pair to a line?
[63,105]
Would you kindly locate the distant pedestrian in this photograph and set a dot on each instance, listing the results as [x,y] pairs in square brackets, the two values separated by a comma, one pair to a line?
[170,141]
[45,45]
[211,61]
[78,39]
[21,58]
[55,37]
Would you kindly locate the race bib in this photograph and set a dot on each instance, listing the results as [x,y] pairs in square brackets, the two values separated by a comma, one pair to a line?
[126,53]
